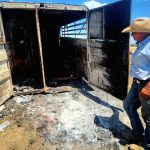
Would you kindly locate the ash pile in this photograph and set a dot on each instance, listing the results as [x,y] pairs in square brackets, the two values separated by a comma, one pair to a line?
[87,118]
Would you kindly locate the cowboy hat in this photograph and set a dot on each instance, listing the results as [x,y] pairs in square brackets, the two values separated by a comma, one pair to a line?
[141,24]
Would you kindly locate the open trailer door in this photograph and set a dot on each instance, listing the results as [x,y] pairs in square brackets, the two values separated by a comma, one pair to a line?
[108,47]
[5,75]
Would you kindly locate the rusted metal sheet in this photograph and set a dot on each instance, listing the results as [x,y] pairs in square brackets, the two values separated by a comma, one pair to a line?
[108,47]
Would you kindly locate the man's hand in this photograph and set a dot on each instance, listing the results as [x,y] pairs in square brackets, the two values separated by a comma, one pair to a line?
[145,91]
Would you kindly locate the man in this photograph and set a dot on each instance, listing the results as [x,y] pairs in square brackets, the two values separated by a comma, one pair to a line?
[139,94]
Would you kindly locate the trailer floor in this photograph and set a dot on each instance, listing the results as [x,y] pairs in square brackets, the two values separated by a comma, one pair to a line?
[79,120]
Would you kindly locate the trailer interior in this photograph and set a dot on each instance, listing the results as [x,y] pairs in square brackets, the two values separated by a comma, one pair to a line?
[63,57]
[45,45]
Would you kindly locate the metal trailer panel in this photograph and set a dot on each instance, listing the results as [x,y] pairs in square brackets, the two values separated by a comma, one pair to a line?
[16,5]
[64,7]
[108,47]
[25,5]
[96,24]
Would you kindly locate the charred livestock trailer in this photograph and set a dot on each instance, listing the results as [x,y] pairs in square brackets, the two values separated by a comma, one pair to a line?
[45,42]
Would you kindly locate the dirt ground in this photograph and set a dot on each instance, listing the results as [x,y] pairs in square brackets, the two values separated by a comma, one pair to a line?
[84,119]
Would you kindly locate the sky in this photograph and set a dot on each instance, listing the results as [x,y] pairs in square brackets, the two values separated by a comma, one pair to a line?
[139,8]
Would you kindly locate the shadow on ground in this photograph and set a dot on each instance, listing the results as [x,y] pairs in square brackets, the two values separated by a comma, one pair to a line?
[113,123]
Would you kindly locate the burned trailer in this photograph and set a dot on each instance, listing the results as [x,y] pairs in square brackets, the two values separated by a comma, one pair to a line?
[41,43]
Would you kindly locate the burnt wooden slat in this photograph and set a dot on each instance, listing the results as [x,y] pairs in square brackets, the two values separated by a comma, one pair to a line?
[40,46]
[15,5]
[3,55]
[31,6]
[5,90]
[64,7]
[5,76]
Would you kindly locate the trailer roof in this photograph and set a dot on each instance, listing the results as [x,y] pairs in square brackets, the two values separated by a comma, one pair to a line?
[50,6]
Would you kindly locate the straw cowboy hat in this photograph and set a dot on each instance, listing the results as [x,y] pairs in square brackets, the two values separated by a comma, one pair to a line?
[141,24]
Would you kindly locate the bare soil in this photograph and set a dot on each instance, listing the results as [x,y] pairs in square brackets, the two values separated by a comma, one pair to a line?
[83,119]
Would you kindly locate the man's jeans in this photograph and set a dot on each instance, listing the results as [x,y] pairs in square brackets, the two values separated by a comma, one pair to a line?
[131,103]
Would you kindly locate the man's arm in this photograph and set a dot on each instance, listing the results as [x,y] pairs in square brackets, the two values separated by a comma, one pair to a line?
[145,91]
